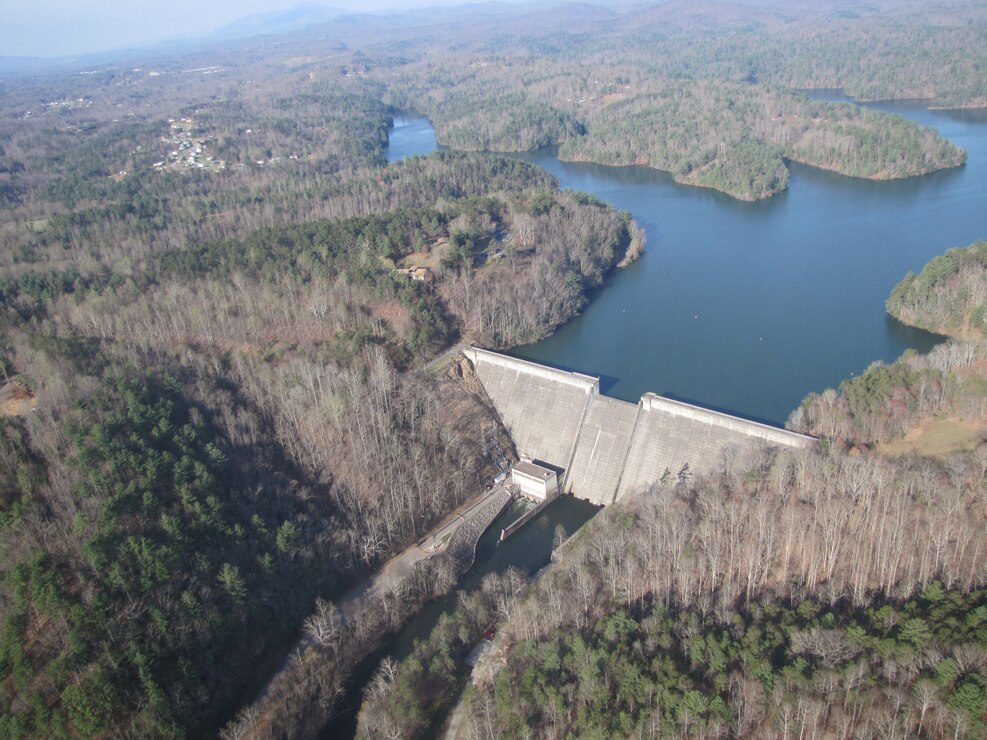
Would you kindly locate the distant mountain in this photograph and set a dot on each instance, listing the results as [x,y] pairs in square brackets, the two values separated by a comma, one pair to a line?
[278,21]
[294,19]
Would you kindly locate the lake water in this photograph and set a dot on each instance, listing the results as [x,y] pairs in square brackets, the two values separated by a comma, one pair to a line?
[748,307]
[410,135]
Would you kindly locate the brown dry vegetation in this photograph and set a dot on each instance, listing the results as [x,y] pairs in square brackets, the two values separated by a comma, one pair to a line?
[16,400]
[937,438]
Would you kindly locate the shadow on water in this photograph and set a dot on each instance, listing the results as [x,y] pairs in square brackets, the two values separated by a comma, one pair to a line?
[965,115]
[906,187]
[911,337]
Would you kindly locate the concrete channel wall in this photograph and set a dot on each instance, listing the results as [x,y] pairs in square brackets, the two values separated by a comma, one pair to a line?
[527,517]
[462,546]
[607,448]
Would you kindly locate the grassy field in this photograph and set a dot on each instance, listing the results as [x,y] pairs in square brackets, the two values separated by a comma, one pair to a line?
[937,438]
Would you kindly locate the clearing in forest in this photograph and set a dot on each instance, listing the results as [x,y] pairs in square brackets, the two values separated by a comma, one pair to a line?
[937,438]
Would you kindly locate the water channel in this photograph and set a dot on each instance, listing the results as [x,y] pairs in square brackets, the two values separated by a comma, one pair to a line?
[529,549]
[745,307]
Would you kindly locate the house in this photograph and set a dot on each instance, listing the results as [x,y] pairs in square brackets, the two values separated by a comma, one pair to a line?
[418,273]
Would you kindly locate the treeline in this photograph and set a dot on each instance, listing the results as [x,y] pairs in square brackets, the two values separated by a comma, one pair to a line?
[109,243]
[331,287]
[147,556]
[949,295]
[934,57]
[171,211]
[810,592]
[775,669]
[492,117]
[558,251]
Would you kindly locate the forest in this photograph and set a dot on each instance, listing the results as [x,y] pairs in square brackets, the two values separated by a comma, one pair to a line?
[216,412]
[949,295]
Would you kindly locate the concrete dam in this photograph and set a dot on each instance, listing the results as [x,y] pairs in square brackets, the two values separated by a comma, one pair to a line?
[605,448]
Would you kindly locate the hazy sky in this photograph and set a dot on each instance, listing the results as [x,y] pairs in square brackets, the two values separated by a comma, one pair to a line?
[62,27]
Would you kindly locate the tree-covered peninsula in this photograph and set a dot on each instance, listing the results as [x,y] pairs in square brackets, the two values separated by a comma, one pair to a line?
[949,295]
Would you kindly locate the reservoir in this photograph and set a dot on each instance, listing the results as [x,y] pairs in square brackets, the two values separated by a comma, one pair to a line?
[748,307]
[742,307]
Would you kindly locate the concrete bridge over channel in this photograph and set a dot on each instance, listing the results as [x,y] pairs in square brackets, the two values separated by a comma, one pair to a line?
[606,448]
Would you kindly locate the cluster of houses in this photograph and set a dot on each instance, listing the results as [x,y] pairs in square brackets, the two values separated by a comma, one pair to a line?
[188,152]
[70,103]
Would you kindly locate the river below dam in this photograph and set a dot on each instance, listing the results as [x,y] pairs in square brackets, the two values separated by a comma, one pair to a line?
[741,307]
[748,307]
[529,550]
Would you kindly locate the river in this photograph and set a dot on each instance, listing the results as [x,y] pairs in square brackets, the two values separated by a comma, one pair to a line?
[748,307]
[530,549]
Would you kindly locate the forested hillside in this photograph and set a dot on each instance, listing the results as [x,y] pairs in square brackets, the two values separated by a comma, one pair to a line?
[212,407]
[218,300]
[812,593]
[730,136]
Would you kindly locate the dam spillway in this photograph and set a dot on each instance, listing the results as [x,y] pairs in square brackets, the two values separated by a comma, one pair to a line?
[601,449]
[606,448]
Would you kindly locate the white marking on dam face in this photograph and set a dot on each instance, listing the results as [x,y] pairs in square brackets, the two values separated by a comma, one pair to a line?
[601,449]
[608,448]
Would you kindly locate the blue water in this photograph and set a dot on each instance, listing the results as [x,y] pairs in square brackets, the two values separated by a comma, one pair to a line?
[747,307]
[410,135]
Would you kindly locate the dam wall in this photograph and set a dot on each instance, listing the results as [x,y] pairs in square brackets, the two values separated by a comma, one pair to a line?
[675,439]
[541,408]
[606,448]
[769,434]
[601,449]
